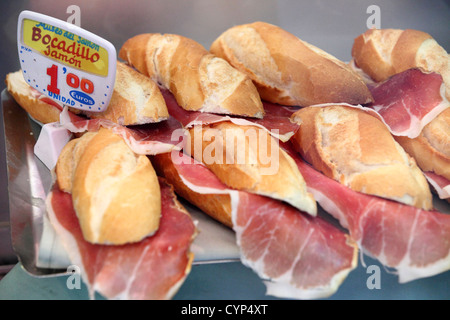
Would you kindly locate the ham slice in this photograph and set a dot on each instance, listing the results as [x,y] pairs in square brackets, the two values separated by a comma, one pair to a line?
[148,139]
[37,95]
[415,242]
[276,120]
[151,269]
[439,183]
[406,102]
[409,100]
[297,255]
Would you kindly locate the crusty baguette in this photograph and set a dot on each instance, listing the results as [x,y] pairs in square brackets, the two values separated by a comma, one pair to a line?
[136,100]
[431,149]
[381,53]
[356,149]
[115,192]
[199,80]
[287,70]
[248,158]
[31,100]
[68,160]
[217,206]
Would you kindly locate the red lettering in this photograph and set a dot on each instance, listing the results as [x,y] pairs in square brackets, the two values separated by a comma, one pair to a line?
[53,73]
[36,34]
[62,46]
[87,86]
[76,50]
[72,80]
[54,40]
[46,39]
[95,57]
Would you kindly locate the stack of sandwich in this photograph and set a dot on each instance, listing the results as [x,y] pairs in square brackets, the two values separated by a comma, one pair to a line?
[258,132]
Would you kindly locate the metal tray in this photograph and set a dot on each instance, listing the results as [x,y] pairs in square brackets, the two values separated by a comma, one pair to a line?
[36,244]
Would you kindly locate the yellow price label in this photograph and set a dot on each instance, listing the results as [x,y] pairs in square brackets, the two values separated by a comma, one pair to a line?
[65,47]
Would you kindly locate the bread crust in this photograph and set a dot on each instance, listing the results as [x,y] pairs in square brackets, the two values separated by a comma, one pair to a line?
[136,99]
[383,53]
[248,158]
[68,160]
[198,80]
[115,192]
[287,70]
[356,149]
[27,98]
[217,206]
[431,149]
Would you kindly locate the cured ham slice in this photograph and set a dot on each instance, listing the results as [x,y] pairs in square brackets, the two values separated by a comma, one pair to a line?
[276,120]
[297,255]
[415,242]
[409,103]
[148,139]
[151,269]
[439,183]
[409,100]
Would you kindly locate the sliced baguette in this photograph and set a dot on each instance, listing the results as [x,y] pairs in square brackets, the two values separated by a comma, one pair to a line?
[287,70]
[115,192]
[356,149]
[199,80]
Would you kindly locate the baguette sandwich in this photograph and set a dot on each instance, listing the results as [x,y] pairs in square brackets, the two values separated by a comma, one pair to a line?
[387,53]
[199,80]
[115,192]
[356,149]
[136,100]
[381,53]
[287,70]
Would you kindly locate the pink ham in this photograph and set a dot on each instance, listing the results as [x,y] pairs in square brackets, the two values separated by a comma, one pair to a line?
[413,241]
[148,139]
[276,120]
[409,100]
[152,269]
[297,255]
[37,95]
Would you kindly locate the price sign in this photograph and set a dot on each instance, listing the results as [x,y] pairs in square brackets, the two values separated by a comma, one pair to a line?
[66,63]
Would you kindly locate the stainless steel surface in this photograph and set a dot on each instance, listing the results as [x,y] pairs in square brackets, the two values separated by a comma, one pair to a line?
[28,182]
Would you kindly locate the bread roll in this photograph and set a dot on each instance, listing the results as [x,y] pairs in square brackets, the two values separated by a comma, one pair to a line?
[431,149]
[381,53]
[68,160]
[35,104]
[115,192]
[198,80]
[287,70]
[136,100]
[356,149]
[248,158]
